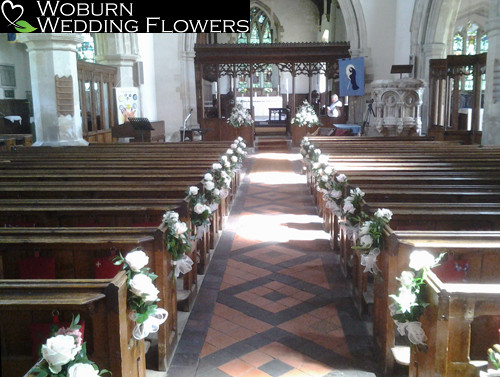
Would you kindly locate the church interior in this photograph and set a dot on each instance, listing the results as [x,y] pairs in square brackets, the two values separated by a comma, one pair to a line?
[318,197]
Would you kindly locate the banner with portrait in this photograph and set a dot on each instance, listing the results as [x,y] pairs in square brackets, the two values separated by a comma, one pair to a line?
[351,77]
[127,103]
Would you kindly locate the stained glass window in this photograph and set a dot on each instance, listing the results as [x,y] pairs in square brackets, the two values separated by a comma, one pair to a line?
[483,44]
[458,44]
[260,28]
[85,49]
[471,42]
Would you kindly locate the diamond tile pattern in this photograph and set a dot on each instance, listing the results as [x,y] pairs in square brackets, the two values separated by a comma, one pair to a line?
[280,309]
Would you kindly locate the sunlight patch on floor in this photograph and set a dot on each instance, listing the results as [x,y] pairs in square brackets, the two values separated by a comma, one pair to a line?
[280,228]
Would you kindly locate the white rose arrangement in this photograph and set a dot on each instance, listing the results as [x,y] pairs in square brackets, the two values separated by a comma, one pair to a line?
[409,303]
[177,235]
[65,355]
[200,205]
[306,116]
[142,295]
[371,239]
[240,117]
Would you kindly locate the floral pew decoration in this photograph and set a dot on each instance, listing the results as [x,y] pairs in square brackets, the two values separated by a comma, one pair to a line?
[240,117]
[409,303]
[352,213]
[370,240]
[65,355]
[178,243]
[200,206]
[142,294]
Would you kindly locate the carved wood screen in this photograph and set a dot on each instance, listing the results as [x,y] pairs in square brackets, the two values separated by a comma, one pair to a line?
[456,93]
[96,85]
[212,61]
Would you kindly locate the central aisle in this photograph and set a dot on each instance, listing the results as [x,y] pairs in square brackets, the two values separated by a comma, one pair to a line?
[273,301]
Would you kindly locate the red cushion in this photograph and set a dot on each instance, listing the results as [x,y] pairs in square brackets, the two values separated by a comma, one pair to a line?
[104,268]
[40,332]
[37,268]
[341,132]
[452,271]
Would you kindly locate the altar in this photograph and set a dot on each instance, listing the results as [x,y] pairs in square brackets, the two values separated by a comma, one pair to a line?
[261,105]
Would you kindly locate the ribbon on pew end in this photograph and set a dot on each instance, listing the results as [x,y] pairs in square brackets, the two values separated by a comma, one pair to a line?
[150,325]
[183,265]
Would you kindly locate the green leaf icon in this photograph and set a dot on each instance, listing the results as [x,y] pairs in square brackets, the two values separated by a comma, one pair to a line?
[24,27]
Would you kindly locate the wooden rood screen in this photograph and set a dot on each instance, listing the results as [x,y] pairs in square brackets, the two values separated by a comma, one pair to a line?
[445,197]
[71,209]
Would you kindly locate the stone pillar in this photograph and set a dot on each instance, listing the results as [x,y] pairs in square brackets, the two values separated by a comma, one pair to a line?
[118,50]
[491,116]
[57,113]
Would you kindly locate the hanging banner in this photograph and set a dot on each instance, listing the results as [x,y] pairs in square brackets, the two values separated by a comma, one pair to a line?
[351,77]
[127,103]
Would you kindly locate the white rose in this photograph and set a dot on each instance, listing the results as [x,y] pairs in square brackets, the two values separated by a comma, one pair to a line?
[341,178]
[234,159]
[336,194]
[180,228]
[366,241]
[82,370]
[209,185]
[234,146]
[229,151]
[208,177]
[384,213]
[421,259]
[199,208]
[227,164]
[170,215]
[243,145]
[216,166]
[141,285]
[216,191]
[239,150]
[223,174]
[136,260]
[59,350]
[365,228]
[193,190]
[349,207]
[224,158]
[328,170]
[406,278]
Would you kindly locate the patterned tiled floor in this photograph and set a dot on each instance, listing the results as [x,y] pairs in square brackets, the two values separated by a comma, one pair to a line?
[273,303]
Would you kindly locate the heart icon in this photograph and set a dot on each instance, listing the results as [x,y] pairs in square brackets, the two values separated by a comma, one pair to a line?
[15,10]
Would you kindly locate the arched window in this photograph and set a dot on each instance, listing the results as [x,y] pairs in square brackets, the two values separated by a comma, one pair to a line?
[260,28]
[85,50]
[470,40]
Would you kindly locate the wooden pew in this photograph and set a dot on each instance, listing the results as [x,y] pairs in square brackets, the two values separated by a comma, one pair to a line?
[448,322]
[479,248]
[102,305]
[77,250]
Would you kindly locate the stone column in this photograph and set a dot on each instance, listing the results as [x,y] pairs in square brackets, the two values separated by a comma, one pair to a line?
[491,116]
[118,50]
[58,120]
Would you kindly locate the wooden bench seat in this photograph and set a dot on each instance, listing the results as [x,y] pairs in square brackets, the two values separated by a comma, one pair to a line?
[77,252]
[101,304]
[481,249]
[448,323]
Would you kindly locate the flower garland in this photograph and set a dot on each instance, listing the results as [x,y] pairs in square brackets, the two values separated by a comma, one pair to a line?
[370,240]
[178,242]
[410,302]
[240,117]
[142,294]
[200,206]
[65,355]
[305,116]
[352,212]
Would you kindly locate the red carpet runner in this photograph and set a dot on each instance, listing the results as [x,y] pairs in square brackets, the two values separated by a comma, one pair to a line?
[273,302]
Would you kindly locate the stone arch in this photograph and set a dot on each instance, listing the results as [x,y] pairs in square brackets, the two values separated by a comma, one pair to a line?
[355,26]
[275,22]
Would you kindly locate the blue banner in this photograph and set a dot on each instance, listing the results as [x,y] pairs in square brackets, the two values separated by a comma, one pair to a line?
[352,77]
